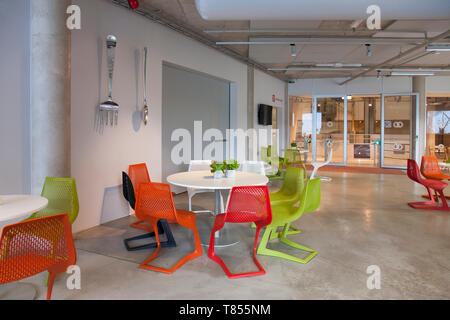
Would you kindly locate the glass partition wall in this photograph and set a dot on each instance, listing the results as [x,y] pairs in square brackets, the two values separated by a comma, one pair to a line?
[353,125]
[438,127]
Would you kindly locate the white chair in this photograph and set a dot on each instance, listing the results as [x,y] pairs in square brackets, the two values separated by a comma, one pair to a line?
[253,166]
[199,165]
[318,165]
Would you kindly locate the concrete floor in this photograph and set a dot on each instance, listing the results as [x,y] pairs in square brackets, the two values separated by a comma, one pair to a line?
[363,220]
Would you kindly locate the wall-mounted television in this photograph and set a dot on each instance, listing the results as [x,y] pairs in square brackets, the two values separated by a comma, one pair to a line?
[265,115]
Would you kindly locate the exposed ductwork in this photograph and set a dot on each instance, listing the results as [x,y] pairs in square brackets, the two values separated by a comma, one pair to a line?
[320,9]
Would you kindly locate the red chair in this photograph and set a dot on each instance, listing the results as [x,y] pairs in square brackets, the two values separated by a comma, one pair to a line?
[246,204]
[154,202]
[438,186]
[33,246]
[430,170]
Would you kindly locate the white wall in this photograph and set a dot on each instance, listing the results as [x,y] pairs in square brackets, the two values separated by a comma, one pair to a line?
[265,87]
[15,96]
[99,155]
[438,84]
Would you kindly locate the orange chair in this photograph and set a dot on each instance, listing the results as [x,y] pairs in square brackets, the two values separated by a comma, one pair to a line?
[33,246]
[154,202]
[430,170]
[138,173]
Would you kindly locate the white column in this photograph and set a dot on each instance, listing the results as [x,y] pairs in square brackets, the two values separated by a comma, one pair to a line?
[418,86]
[50,92]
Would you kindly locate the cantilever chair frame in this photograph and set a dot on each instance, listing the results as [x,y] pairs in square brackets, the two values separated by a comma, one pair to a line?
[162,225]
[151,209]
[284,215]
[234,215]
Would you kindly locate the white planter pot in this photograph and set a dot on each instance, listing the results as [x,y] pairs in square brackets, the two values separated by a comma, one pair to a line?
[218,174]
[230,173]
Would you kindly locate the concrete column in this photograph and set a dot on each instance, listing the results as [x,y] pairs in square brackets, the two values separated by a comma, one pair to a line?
[418,86]
[50,92]
[250,108]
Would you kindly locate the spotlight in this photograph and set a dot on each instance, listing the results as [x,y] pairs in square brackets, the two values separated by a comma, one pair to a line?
[369,50]
[293,50]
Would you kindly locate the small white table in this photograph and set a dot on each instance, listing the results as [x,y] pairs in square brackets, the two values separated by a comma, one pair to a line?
[13,207]
[17,206]
[205,180]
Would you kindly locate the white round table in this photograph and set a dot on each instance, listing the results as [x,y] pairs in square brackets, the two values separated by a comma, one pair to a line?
[13,207]
[205,180]
[16,206]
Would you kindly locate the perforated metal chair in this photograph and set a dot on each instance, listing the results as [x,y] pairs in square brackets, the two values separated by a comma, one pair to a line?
[62,197]
[154,202]
[438,186]
[32,246]
[162,225]
[247,204]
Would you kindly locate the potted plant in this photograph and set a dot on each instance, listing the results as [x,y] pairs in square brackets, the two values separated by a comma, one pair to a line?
[294,144]
[230,167]
[217,168]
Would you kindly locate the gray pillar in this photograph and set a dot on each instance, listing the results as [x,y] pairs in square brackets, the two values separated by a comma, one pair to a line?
[50,92]
[418,86]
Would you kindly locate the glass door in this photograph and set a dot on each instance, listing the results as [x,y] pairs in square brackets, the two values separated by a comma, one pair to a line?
[331,126]
[398,130]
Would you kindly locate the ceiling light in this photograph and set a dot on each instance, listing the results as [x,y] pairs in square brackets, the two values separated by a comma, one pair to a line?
[438,48]
[369,50]
[293,50]
[349,97]
[412,73]
[338,65]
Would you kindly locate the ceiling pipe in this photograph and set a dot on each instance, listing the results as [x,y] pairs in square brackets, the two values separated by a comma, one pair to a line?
[401,55]
[320,9]
[385,43]
[310,31]
[158,17]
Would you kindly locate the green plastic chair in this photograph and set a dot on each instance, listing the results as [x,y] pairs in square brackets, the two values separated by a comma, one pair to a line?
[292,157]
[264,154]
[289,194]
[280,174]
[62,198]
[284,215]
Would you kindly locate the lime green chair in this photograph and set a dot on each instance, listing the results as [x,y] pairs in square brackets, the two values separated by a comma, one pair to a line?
[264,154]
[273,157]
[289,194]
[292,157]
[62,198]
[284,215]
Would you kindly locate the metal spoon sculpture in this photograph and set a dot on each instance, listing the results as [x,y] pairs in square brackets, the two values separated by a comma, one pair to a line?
[109,107]
[145,111]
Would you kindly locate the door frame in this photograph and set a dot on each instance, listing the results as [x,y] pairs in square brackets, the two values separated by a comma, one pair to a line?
[414,136]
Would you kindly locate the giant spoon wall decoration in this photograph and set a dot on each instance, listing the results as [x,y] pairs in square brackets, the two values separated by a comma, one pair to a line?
[145,110]
[109,109]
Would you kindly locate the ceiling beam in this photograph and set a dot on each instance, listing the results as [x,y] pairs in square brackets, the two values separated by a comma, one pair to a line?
[401,55]
[158,17]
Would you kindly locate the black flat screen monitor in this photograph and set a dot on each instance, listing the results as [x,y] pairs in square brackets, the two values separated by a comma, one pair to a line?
[265,115]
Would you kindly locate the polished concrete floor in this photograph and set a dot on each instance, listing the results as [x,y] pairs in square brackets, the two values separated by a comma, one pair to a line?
[363,220]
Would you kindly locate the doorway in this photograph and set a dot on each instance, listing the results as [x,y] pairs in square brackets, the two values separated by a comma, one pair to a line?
[353,125]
